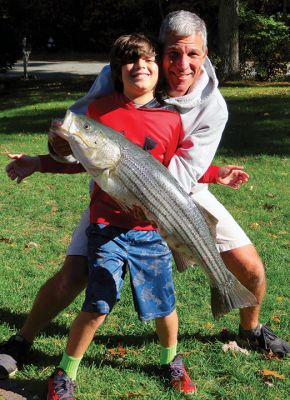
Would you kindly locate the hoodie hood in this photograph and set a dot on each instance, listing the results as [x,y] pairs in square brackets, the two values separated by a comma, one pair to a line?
[204,87]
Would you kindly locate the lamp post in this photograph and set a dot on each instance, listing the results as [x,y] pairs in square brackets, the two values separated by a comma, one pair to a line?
[26,50]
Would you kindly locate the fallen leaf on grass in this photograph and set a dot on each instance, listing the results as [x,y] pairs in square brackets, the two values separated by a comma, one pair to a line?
[280,298]
[31,245]
[187,353]
[272,235]
[269,207]
[267,373]
[275,318]
[272,195]
[209,326]
[254,225]
[272,356]
[233,346]
[132,394]
[5,240]
[120,351]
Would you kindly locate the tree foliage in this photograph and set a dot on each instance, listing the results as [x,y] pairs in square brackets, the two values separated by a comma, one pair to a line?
[93,25]
[265,40]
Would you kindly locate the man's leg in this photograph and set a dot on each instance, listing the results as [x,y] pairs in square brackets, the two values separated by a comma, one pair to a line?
[242,259]
[245,263]
[55,295]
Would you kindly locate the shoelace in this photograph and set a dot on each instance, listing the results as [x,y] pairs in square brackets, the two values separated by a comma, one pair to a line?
[176,371]
[267,335]
[64,388]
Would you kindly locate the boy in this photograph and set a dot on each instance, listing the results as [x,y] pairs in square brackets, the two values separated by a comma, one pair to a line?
[116,238]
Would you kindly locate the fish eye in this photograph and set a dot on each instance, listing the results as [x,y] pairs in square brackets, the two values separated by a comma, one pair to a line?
[86,126]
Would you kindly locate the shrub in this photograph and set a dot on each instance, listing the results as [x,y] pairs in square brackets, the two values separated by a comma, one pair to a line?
[266,43]
[10,47]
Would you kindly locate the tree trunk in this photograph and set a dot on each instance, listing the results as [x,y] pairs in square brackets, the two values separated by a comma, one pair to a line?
[228,29]
[284,13]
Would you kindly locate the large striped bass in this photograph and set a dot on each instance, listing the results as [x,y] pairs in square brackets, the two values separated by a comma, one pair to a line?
[132,177]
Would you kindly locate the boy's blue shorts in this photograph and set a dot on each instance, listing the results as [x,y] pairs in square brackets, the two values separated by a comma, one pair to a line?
[148,258]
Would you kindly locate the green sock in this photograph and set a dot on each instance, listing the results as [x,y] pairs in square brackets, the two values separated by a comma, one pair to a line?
[167,354]
[70,365]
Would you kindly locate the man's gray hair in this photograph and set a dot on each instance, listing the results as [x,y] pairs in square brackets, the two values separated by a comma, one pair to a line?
[183,23]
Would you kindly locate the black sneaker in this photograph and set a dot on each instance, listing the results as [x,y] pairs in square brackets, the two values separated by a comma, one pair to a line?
[262,338]
[60,386]
[13,354]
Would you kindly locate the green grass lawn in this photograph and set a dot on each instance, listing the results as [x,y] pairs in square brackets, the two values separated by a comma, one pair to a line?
[37,219]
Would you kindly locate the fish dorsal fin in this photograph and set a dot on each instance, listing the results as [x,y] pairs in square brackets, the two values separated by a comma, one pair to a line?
[210,219]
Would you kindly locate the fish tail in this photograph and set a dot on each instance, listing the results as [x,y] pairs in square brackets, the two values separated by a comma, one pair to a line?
[232,295]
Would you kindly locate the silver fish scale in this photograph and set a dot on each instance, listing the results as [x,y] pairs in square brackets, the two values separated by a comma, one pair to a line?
[159,198]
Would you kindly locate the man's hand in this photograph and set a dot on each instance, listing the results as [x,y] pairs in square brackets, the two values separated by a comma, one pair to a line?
[59,145]
[22,166]
[233,176]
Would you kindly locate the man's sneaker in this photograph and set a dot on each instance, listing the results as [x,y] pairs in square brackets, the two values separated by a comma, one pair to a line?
[60,386]
[262,338]
[179,379]
[13,354]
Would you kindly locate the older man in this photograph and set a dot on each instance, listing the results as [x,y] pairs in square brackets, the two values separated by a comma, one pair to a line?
[192,88]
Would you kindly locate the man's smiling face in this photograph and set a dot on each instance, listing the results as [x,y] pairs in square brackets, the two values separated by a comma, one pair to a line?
[182,60]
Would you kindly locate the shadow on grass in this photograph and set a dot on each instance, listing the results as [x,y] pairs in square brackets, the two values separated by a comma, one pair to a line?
[257,125]
[17,320]
[16,389]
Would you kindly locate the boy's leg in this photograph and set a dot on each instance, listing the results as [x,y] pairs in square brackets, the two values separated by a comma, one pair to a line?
[105,277]
[61,383]
[167,329]
[150,266]
[82,332]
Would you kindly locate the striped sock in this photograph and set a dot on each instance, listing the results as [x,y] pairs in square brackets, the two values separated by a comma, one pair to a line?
[70,365]
[167,354]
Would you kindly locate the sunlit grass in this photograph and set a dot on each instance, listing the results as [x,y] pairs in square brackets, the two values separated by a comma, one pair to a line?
[37,219]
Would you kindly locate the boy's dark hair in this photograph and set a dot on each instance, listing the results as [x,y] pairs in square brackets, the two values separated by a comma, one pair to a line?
[127,49]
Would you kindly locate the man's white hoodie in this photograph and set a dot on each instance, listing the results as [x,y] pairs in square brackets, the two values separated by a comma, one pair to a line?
[204,115]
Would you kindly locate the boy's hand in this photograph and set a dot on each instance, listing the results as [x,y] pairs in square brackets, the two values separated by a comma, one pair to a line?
[22,166]
[59,145]
[233,176]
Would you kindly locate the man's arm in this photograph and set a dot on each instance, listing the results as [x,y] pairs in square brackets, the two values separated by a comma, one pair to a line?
[232,176]
[102,86]
[203,131]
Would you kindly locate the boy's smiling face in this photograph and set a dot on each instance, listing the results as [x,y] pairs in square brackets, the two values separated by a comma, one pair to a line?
[140,78]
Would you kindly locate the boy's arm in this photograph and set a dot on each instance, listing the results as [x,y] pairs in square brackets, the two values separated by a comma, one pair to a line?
[23,166]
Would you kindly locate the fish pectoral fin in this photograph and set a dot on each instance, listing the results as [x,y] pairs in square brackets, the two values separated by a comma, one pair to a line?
[211,220]
[103,179]
[124,205]
[181,261]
